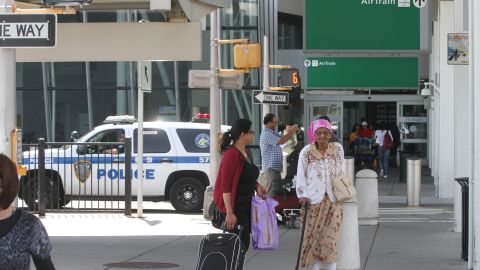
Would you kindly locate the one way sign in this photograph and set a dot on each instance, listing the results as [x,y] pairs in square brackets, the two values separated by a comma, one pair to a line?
[27,30]
[270,97]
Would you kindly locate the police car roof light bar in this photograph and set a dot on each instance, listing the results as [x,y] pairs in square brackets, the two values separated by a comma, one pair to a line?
[120,119]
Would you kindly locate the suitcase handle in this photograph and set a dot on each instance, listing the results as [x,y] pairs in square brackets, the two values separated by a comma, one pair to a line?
[238,227]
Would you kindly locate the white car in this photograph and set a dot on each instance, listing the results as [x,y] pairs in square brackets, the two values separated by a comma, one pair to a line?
[176,165]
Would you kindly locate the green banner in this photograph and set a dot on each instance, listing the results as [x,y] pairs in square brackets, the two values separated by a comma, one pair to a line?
[362,72]
[362,25]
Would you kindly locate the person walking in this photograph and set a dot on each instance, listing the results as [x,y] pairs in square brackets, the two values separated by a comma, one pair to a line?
[22,235]
[271,151]
[236,181]
[384,139]
[318,164]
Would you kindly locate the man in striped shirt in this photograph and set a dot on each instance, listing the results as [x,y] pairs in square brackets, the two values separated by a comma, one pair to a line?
[271,151]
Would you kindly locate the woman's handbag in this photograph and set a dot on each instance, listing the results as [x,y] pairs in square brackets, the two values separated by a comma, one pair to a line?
[217,218]
[343,187]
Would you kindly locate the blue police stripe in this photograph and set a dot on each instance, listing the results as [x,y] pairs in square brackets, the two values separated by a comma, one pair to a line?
[103,160]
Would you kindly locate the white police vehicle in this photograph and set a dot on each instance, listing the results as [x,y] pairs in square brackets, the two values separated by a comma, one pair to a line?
[176,164]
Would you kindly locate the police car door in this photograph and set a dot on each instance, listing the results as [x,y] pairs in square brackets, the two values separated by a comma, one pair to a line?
[100,167]
[159,160]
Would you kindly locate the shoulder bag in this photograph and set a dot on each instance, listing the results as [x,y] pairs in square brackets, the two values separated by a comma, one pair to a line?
[343,187]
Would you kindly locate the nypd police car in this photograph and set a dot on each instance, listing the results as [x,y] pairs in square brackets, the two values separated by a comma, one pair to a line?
[176,164]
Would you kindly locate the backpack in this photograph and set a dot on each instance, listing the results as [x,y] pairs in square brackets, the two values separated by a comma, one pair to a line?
[387,141]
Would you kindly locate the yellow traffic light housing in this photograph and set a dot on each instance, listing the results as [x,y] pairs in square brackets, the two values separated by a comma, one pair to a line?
[246,56]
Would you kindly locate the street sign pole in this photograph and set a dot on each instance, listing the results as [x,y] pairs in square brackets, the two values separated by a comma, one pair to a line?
[8,110]
[214,97]
[140,143]
[144,81]
[266,73]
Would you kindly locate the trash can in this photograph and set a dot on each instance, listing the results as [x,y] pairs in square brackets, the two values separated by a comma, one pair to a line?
[403,163]
[463,181]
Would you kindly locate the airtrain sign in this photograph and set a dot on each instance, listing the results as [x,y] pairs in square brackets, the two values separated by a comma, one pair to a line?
[27,30]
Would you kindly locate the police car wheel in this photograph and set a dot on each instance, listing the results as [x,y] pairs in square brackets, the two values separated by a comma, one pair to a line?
[186,195]
[52,198]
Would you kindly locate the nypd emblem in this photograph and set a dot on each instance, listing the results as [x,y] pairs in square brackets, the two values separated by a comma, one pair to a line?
[83,170]
[202,140]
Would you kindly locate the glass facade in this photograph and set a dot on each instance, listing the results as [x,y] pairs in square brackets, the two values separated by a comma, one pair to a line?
[113,84]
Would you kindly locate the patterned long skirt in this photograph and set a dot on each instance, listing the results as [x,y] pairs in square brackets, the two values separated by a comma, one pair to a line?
[324,222]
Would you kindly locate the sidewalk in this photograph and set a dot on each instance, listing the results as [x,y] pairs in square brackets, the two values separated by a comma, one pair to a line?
[406,238]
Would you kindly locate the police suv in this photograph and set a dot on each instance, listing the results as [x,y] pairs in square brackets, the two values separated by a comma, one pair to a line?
[175,164]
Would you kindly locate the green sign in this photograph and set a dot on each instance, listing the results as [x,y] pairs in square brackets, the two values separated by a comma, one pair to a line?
[362,25]
[362,72]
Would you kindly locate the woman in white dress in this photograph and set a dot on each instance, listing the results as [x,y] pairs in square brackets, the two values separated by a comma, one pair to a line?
[318,164]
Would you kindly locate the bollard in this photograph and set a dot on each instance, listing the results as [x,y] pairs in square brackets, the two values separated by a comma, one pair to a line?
[367,196]
[414,180]
[207,200]
[349,244]
[349,167]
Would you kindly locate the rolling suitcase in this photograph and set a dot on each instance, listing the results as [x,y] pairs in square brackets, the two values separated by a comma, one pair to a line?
[221,251]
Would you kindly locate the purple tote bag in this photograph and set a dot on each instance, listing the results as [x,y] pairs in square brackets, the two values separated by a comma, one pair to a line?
[264,224]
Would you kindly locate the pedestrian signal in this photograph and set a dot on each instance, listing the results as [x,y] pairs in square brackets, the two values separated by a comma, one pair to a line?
[289,77]
[247,56]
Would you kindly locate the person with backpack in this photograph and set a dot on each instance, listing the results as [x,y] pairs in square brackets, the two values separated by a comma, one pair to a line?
[384,139]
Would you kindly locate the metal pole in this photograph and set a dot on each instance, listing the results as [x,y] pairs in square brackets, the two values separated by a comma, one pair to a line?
[140,144]
[414,180]
[41,177]
[214,98]
[46,100]
[89,86]
[266,72]
[128,176]
[177,91]
[8,110]
[131,75]
[436,178]
[214,111]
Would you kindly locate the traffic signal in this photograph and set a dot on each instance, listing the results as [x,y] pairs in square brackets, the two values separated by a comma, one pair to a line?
[289,77]
[247,56]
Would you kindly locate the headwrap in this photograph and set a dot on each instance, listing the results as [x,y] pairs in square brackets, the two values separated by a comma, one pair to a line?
[316,124]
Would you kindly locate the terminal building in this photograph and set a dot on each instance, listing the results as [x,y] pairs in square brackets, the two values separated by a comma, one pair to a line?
[357,59]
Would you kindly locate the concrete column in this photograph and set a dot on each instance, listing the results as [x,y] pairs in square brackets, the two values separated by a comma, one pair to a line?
[474,94]
[367,196]
[8,111]
[463,116]
[446,84]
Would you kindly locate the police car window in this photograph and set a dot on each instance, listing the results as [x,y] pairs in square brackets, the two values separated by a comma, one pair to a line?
[107,136]
[112,135]
[195,140]
[154,141]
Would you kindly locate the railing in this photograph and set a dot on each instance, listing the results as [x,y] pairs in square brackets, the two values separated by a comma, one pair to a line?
[77,176]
